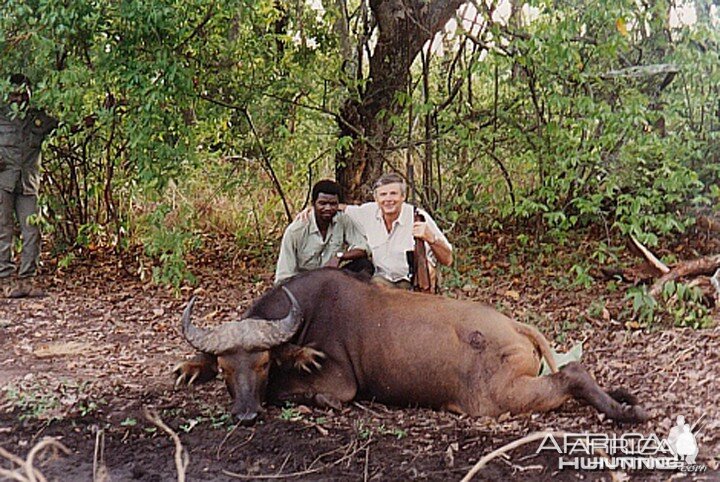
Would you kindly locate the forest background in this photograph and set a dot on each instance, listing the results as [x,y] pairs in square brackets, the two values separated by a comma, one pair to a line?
[186,122]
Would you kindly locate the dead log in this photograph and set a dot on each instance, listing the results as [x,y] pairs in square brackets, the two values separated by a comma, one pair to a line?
[638,275]
[701,266]
[651,258]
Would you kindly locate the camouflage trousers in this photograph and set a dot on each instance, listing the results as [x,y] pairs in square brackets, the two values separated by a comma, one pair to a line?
[20,206]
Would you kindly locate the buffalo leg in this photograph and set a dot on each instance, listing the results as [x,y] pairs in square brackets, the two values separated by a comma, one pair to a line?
[582,386]
[540,394]
[201,368]
[328,387]
[304,358]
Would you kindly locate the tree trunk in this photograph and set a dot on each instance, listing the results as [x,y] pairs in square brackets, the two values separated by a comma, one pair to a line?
[403,28]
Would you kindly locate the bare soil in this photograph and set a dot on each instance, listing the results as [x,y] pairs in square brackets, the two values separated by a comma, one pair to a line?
[83,363]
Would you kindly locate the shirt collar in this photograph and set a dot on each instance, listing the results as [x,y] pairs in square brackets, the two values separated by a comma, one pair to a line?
[400,219]
[313,223]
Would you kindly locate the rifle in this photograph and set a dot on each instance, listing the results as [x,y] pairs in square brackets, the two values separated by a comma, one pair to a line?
[421,270]
[417,258]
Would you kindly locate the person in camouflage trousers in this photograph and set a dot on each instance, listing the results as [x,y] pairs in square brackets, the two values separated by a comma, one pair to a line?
[22,131]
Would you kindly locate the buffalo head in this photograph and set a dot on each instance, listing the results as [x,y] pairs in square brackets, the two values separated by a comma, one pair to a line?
[242,350]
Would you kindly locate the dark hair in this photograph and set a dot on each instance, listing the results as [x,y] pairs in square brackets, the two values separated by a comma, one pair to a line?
[326,186]
[19,79]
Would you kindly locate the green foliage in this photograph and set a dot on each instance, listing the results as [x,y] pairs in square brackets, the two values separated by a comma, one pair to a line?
[290,414]
[366,430]
[35,400]
[685,305]
[644,306]
[217,100]
[128,422]
[583,278]
[168,240]
[682,304]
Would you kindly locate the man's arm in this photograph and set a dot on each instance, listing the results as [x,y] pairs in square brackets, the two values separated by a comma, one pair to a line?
[355,240]
[287,265]
[442,251]
[429,232]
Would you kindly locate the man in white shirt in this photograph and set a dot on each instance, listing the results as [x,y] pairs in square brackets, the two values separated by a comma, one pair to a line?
[391,231]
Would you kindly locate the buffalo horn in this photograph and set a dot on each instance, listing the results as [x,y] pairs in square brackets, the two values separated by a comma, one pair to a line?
[248,334]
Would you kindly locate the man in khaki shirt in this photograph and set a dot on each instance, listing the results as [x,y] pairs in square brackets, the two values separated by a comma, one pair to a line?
[22,131]
[324,238]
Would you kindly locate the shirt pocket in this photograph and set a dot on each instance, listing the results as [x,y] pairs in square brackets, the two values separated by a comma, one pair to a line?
[309,259]
[335,245]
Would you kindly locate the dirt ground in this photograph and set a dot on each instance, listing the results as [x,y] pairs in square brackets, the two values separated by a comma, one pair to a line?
[84,365]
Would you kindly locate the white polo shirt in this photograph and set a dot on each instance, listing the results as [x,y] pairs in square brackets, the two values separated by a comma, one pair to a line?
[389,248]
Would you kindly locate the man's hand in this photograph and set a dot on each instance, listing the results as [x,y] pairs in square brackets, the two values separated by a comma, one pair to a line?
[334,262]
[423,231]
[304,215]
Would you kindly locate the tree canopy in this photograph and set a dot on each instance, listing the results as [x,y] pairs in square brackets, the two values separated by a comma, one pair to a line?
[547,112]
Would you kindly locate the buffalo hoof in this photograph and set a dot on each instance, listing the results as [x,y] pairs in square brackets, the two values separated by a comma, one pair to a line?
[308,358]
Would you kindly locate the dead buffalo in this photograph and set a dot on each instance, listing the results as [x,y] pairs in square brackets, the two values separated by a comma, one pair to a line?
[326,338]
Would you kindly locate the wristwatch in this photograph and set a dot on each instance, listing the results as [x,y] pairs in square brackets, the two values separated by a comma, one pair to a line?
[340,255]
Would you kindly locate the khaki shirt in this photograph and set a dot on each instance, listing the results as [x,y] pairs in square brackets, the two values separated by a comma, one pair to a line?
[20,142]
[303,247]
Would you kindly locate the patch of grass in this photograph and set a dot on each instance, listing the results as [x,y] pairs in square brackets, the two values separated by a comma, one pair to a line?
[32,405]
[290,414]
[365,430]
[680,304]
[128,422]
[35,399]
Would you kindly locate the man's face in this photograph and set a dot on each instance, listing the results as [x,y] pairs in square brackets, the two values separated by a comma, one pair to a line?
[390,198]
[326,206]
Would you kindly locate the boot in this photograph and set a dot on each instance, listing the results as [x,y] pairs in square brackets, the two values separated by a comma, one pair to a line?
[26,287]
[6,285]
[20,289]
[36,290]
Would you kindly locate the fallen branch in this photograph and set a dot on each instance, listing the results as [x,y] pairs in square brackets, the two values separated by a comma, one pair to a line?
[302,472]
[706,265]
[506,448]
[652,259]
[99,468]
[181,457]
[31,473]
[615,477]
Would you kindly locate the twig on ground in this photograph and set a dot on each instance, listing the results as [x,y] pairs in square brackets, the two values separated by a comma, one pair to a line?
[12,475]
[31,473]
[30,470]
[506,448]
[99,469]
[300,473]
[181,456]
[363,407]
[282,466]
[367,461]
[229,434]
